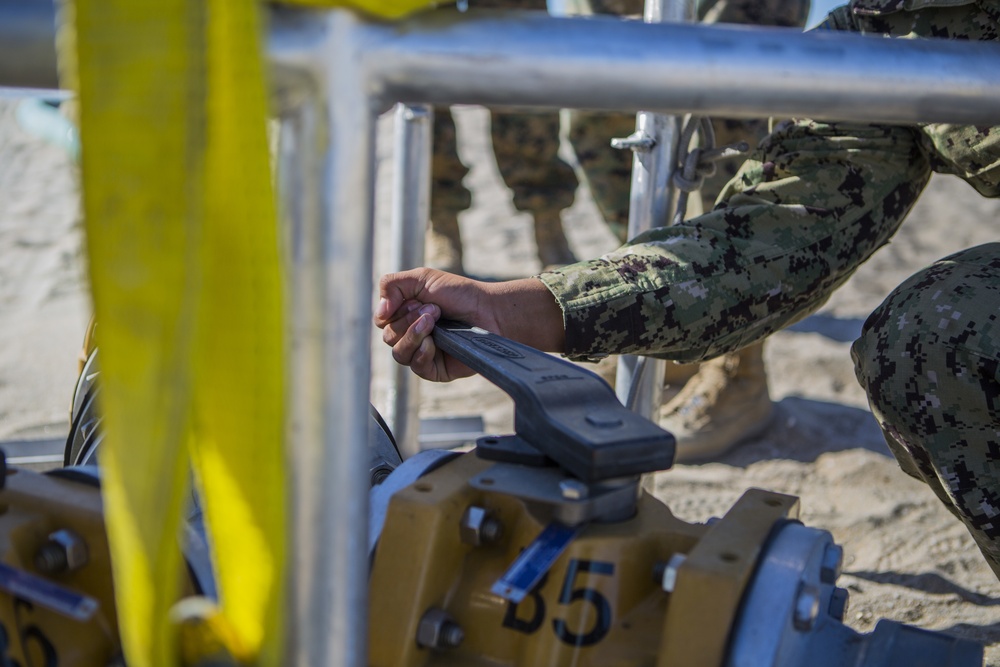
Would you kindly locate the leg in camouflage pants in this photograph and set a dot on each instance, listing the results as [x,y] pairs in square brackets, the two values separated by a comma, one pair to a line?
[929,359]
[526,147]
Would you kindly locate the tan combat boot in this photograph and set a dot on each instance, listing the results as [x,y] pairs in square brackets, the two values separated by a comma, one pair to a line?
[553,248]
[443,244]
[674,375]
[724,403]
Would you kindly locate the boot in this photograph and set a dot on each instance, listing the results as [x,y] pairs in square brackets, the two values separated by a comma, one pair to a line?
[443,244]
[553,248]
[724,403]
[675,375]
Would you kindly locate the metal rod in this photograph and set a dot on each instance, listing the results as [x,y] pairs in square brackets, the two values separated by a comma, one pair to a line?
[331,347]
[530,59]
[27,44]
[639,385]
[411,189]
[299,172]
[341,572]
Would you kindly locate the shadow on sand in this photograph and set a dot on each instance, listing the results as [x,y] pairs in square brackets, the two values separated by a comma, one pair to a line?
[803,429]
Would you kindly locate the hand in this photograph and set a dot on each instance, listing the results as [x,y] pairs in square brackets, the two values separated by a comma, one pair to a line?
[412,301]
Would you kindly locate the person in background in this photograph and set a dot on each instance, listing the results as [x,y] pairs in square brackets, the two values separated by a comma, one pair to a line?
[722,401]
[814,202]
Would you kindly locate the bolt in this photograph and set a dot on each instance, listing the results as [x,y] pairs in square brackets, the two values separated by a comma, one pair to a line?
[478,527]
[833,558]
[573,489]
[666,574]
[379,474]
[451,635]
[604,419]
[638,142]
[492,530]
[438,630]
[63,551]
[806,607]
[838,603]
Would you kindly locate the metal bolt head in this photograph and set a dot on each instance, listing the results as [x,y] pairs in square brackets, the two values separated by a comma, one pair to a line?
[63,551]
[669,579]
[833,559]
[573,489]
[378,474]
[806,607]
[838,603]
[478,527]
[451,635]
[437,629]
[638,142]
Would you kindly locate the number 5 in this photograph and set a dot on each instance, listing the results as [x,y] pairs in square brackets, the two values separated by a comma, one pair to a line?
[569,594]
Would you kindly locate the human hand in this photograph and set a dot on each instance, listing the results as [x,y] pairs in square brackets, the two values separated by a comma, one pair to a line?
[412,301]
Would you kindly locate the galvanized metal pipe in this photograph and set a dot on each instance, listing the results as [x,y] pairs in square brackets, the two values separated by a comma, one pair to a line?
[530,59]
[330,348]
[27,44]
[639,381]
[411,193]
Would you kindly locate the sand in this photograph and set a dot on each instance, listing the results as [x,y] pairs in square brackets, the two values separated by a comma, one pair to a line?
[907,558]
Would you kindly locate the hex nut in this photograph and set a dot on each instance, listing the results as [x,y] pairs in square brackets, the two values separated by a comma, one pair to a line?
[806,607]
[833,559]
[839,600]
[437,629]
[63,551]
[669,580]
[573,489]
[478,526]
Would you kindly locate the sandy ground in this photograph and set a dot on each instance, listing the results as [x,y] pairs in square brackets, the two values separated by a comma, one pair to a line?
[907,558]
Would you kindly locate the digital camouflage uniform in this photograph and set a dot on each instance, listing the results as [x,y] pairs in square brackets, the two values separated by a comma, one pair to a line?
[526,144]
[813,203]
[608,171]
[526,147]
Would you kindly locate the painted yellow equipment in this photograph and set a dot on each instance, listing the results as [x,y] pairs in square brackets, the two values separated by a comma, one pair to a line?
[533,549]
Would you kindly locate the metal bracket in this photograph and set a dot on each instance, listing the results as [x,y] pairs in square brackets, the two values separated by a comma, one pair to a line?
[637,142]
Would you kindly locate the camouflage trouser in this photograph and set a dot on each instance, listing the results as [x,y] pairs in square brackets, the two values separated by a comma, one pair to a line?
[526,144]
[929,358]
[526,147]
[607,171]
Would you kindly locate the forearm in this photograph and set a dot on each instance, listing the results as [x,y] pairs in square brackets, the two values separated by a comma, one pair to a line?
[811,205]
[528,313]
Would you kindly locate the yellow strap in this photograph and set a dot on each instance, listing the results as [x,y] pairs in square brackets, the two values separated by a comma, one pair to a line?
[182,241]
[184,264]
[385,9]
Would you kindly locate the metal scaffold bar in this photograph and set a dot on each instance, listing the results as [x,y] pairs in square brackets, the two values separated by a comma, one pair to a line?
[529,59]
[27,44]
[411,189]
[638,380]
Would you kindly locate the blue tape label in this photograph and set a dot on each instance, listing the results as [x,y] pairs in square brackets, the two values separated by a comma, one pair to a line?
[532,563]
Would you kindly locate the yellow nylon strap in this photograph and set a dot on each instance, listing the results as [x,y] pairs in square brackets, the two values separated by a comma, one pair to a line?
[184,267]
[385,9]
[182,241]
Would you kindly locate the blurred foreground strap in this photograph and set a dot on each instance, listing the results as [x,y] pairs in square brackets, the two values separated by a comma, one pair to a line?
[385,9]
[184,268]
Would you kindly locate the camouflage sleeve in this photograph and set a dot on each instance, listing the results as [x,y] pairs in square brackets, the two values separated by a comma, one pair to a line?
[813,203]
